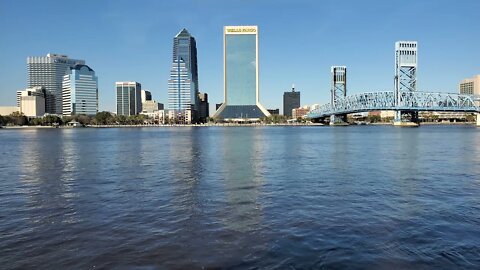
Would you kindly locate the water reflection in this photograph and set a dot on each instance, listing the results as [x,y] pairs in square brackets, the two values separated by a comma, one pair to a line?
[48,164]
[242,156]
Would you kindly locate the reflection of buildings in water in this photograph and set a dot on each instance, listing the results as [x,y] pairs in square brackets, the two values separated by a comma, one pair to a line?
[242,157]
[49,161]
[476,153]
[185,167]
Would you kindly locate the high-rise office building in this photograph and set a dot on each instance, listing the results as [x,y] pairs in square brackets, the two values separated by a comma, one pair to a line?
[183,82]
[470,86]
[240,71]
[203,111]
[129,99]
[291,100]
[48,71]
[80,91]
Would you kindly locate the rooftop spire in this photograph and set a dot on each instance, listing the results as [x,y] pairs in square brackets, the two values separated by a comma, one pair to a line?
[183,33]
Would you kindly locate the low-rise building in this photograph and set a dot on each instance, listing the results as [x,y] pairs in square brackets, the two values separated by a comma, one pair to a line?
[7,110]
[31,101]
[300,112]
[150,106]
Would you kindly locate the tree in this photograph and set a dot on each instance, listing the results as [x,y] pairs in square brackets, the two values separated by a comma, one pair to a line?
[103,118]
[18,118]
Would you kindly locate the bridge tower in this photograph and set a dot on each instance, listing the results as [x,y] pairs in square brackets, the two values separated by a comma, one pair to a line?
[405,75]
[338,91]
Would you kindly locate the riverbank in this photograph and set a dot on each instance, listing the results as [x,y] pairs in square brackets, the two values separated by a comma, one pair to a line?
[230,125]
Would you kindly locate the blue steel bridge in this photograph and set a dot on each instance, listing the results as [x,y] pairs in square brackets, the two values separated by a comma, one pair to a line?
[405,102]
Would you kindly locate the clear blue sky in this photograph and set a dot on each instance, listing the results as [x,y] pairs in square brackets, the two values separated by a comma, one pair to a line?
[299,41]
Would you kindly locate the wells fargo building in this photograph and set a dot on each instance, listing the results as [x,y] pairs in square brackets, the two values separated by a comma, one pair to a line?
[240,75]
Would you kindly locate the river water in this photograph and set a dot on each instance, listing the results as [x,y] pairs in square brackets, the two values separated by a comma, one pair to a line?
[371,197]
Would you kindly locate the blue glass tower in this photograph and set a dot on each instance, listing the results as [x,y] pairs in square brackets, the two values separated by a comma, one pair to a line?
[241,75]
[183,83]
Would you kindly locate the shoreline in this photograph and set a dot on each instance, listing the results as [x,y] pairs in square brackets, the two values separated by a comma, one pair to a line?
[233,125]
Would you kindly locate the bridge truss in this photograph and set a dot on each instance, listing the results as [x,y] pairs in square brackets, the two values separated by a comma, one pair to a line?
[406,101]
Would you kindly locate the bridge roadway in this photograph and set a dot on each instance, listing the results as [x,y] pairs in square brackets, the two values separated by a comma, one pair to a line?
[407,101]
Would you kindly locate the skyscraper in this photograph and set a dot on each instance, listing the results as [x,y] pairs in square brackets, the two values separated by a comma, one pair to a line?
[48,72]
[291,100]
[240,71]
[80,91]
[183,83]
[129,99]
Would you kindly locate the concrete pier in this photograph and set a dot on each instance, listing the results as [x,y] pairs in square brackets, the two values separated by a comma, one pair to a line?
[478,119]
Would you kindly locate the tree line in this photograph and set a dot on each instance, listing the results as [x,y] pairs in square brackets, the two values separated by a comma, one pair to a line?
[101,118]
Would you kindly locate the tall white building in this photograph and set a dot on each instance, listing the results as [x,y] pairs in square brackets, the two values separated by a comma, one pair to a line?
[48,71]
[80,91]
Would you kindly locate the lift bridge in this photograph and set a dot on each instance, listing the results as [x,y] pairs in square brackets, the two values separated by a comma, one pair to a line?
[405,100]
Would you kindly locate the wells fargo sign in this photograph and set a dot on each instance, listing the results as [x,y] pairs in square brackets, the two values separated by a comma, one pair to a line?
[241,30]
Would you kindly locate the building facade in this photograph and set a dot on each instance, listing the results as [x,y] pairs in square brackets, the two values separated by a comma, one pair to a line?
[7,110]
[129,98]
[183,82]
[48,71]
[31,101]
[146,95]
[470,86]
[291,100]
[203,110]
[80,91]
[150,106]
[240,71]
[300,112]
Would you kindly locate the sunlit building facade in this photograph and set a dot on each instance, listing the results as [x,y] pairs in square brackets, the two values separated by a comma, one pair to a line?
[48,71]
[80,91]
[129,98]
[241,88]
[183,82]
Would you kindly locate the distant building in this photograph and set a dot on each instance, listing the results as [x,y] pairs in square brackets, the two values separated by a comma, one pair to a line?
[146,95]
[291,100]
[32,101]
[80,91]
[241,86]
[218,105]
[48,71]
[7,110]
[274,111]
[150,106]
[183,82]
[203,110]
[129,100]
[300,112]
[470,86]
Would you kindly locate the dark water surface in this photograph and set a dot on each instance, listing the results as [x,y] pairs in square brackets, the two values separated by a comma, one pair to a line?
[241,198]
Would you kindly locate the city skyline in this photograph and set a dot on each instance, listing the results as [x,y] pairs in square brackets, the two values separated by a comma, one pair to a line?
[140,50]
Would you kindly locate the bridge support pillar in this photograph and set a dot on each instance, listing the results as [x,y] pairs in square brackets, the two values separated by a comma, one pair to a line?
[412,122]
[478,119]
[338,120]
